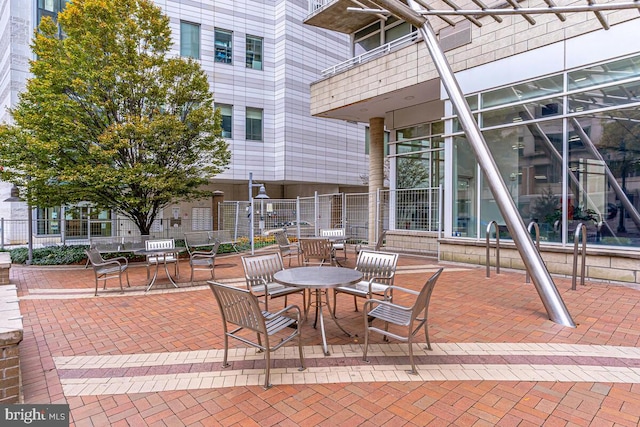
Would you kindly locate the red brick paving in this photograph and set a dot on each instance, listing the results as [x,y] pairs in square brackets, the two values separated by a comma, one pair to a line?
[466,307]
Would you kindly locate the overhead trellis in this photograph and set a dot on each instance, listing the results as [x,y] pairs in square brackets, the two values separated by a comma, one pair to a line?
[510,7]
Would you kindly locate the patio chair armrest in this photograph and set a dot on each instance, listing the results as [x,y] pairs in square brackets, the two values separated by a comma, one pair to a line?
[201,253]
[376,278]
[383,302]
[291,307]
[112,261]
[390,288]
[125,261]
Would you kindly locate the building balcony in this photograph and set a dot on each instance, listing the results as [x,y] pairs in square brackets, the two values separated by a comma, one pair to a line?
[333,15]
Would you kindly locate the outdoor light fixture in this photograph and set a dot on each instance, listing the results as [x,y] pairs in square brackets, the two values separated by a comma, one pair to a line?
[262,194]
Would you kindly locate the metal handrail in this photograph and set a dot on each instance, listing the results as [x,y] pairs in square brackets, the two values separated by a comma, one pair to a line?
[581,230]
[536,227]
[371,54]
[497,248]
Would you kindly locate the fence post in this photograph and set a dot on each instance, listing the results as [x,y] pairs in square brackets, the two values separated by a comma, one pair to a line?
[2,233]
[316,213]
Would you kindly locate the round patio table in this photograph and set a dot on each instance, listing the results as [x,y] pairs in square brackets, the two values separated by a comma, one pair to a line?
[161,254]
[319,279]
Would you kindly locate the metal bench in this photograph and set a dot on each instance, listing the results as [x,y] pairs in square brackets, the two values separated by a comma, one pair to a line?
[116,244]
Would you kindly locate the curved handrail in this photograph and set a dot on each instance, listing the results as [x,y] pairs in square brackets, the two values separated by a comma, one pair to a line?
[581,230]
[497,247]
[536,227]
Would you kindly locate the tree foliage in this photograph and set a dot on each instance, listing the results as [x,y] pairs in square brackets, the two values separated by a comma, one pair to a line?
[110,117]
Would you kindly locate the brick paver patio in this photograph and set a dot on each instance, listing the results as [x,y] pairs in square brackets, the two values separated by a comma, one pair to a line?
[155,359]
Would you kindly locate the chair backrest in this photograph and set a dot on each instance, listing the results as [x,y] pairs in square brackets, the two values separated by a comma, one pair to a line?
[422,301]
[238,307]
[224,236]
[281,238]
[200,239]
[94,256]
[160,244]
[259,269]
[381,265]
[315,250]
[106,244]
[134,242]
[333,232]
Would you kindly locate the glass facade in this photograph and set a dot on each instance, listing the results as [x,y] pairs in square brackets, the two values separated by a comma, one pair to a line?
[567,156]
[379,33]
[419,157]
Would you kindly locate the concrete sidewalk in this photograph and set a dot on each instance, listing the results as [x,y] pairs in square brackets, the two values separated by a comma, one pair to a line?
[155,358]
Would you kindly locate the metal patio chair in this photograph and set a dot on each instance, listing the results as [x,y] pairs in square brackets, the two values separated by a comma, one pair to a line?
[412,318]
[240,308]
[258,274]
[107,269]
[168,258]
[316,251]
[378,270]
[287,249]
[340,245]
[202,251]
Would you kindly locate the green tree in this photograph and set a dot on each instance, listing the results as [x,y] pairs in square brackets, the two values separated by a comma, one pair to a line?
[110,117]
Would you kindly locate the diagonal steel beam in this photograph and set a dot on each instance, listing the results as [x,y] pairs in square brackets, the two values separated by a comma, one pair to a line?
[531,258]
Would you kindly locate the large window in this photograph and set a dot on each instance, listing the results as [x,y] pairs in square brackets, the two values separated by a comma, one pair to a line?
[254,52]
[190,40]
[50,8]
[227,119]
[567,156]
[254,124]
[223,46]
[379,33]
[420,164]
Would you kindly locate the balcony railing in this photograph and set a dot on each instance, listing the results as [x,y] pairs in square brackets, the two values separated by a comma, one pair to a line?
[372,54]
[317,4]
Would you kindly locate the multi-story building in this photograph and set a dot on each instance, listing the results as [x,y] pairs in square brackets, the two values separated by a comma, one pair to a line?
[260,60]
[556,96]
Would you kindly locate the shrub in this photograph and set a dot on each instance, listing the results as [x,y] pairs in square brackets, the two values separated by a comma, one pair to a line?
[51,255]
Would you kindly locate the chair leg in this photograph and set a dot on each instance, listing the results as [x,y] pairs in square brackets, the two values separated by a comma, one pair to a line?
[355,302]
[191,278]
[126,272]
[267,384]
[96,294]
[413,370]
[226,351]
[366,339]
[302,367]
[426,334]
[120,279]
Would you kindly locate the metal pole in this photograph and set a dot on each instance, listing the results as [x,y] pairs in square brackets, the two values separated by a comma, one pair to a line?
[251,211]
[30,236]
[542,280]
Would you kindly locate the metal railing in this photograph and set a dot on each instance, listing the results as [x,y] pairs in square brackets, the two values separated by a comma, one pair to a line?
[497,227]
[581,231]
[536,227]
[371,54]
